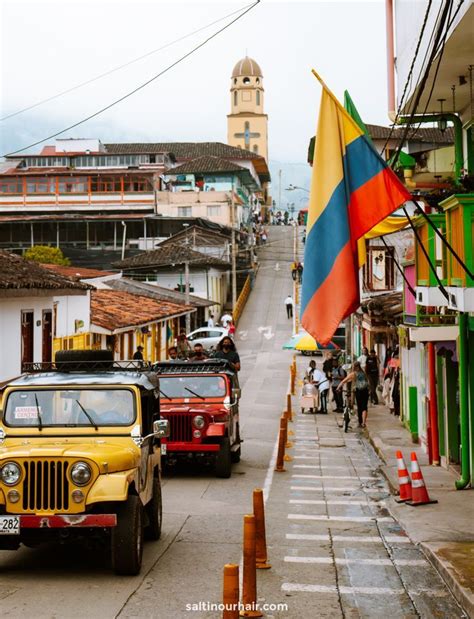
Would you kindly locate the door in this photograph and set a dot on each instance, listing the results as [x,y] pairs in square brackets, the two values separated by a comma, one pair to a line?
[27,326]
[47,336]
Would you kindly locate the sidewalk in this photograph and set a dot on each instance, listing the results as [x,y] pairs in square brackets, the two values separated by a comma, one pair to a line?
[444,530]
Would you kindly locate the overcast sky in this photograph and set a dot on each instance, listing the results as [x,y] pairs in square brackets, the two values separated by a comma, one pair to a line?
[51,46]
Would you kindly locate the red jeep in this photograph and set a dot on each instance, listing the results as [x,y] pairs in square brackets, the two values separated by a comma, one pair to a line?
[201,401]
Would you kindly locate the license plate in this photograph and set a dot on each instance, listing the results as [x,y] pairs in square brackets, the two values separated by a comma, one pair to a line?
[9,525]
[163,449]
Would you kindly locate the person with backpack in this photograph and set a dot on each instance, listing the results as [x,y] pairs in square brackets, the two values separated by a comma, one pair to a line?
[359,378]
[372,371]
[337,374]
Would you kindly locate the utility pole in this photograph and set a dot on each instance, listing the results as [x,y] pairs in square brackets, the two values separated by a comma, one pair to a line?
[295,285]
[234,253]
[279,190]
[186,286]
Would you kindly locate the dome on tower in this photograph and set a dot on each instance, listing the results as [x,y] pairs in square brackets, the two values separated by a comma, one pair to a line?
[248,67]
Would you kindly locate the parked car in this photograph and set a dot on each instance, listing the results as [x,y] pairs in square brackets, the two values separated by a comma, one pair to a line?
[200,399]
[209,337]
[80,455]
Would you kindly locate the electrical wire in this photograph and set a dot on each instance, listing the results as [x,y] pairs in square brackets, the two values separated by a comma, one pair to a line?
[141,86]
[122,66]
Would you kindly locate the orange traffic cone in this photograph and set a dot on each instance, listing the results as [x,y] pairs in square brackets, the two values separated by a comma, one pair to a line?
[403,480]
[419,492]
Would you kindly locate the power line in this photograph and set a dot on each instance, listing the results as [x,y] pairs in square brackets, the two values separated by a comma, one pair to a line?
[122,66]
[141,86]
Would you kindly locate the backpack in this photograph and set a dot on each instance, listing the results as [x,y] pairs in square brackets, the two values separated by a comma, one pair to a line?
[371,365]
[361,381]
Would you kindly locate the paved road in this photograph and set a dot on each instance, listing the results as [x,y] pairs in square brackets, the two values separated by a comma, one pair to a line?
[334,548]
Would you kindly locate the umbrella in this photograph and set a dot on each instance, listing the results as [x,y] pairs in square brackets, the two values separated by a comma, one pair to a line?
[291,343]
[308,344]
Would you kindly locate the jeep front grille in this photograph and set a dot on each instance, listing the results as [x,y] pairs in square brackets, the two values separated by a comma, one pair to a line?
[46,486]
[181,430]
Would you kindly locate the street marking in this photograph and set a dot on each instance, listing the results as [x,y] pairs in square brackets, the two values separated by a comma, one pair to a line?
[326,502]
[301,476]
[339,518]
[288,586]
[367,539]
[326,560]
[311,488]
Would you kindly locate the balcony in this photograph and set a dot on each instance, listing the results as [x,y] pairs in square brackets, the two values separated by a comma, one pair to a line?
[78,202]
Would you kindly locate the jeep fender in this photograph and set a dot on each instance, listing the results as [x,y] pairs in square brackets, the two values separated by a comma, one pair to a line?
[216,429]
[111,487]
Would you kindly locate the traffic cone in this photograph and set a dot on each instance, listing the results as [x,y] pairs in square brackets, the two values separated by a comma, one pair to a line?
[418,489]
[403,480]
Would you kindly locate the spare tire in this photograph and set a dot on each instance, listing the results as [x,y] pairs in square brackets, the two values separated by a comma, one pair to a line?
[84,360]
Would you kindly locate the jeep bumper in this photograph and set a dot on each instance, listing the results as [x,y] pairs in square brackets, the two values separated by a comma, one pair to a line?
[32,521]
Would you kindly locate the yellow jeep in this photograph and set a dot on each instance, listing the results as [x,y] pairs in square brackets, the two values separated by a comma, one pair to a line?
[80,455]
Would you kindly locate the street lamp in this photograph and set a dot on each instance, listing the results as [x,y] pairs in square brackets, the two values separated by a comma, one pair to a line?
[293,187]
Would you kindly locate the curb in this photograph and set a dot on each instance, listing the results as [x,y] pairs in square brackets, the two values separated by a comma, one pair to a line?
[375,442]
[464,598]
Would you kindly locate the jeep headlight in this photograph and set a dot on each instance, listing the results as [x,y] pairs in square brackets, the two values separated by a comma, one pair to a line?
[10,473]
[199,421]
[81,473]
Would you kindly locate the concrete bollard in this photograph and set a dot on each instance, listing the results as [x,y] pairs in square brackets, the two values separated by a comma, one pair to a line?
[261,556]
[281,447]
[249,586]
[288,444]
[288,407]
[231,593]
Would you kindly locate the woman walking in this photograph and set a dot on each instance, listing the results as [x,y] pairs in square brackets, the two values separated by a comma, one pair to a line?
[361,384]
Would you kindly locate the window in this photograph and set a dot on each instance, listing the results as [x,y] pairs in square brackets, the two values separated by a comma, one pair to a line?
[246,95]
[235,97]
[137,184]
[246,80]
[184,211]
[213,211]
[39,185]
[379,273]
[104,184]
[11,185]
[72,185]
[258,97]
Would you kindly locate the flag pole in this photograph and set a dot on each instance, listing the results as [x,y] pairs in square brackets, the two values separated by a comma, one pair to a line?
[335,99]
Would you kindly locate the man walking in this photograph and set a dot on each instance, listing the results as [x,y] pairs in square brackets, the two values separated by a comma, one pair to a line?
[372,371]
[289,303]
[337,375]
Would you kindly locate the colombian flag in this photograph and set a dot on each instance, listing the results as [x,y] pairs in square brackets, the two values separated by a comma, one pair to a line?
[352,190]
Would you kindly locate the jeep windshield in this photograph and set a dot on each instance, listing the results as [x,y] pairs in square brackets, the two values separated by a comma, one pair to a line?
[192,387]
[69,408]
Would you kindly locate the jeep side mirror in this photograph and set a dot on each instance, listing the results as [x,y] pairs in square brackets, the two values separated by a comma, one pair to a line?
[236,392]
[161,428]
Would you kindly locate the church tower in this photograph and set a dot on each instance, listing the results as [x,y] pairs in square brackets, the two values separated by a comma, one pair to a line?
[247,124]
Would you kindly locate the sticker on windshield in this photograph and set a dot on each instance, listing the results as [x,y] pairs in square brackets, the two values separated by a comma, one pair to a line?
[27,412]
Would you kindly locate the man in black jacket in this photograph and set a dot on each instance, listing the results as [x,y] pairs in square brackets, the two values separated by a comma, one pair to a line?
[372,371]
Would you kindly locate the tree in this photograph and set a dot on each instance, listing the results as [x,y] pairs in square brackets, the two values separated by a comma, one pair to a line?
[46,255]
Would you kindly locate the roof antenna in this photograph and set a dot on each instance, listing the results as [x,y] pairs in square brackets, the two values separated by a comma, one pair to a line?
[246,53]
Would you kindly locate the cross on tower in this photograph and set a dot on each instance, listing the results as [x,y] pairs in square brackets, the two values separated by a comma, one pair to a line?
[247,134]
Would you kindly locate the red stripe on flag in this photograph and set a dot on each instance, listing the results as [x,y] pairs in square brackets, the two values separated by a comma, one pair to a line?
[374,201]
[336,298]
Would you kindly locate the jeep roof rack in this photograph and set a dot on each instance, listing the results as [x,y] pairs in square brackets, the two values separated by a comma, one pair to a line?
[210,366]
[86,366]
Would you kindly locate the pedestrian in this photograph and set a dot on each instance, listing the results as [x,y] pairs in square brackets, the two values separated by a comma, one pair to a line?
[359,378]
[183,345]
[363,357]
[372,371]
[172,353]
[322,383]
[309,396]
[289,303]
[328,365]
[198,353]
[264,236]
[299,269]
[294,271]
[232,330]
[226,350]
[210,321]
[337,375]
[396,391]
[138,354]
[310,370]
[226,319]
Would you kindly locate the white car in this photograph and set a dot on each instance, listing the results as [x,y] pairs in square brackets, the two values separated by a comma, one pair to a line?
[209,337]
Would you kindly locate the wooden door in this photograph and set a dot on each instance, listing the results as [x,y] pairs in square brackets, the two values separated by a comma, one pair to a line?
[27,326]
[47,336]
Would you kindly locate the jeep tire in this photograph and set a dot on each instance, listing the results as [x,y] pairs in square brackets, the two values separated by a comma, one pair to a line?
[127,537]
[224,459]
[235,454]
[154,512]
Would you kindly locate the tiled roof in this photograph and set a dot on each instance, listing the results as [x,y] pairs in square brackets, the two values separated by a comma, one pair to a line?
[206,163]
[156,292]
[169,255]
[16,273]
[417,134]
[113,309]
[197,236]
[182,150]
[77,273]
